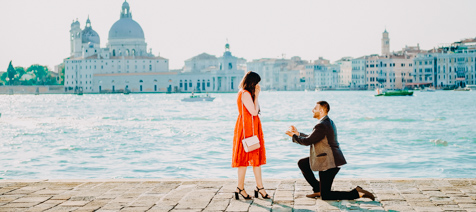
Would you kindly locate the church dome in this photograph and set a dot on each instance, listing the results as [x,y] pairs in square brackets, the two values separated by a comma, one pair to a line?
[126,28]
[88,35]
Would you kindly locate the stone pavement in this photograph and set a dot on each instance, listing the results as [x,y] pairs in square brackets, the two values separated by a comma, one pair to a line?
[217,195]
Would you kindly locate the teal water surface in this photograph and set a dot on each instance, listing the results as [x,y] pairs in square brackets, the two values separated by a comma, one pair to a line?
[158,136]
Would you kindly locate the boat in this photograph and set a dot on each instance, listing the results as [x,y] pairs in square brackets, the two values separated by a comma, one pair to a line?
[395,93]
[428,90]
[198,98]
[462,89]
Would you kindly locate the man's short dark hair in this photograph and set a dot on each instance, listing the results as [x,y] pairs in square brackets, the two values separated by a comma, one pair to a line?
[325,105]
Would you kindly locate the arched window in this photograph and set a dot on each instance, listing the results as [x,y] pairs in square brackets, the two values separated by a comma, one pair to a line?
[133,53]
[120,53]
[230,66]
[114,53]
[141,81]
[127,52]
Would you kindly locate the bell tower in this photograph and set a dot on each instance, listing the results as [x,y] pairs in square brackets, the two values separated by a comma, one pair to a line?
[385,43]
[75,39]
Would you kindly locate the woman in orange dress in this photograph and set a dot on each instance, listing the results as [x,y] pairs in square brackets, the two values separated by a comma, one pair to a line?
[248,108]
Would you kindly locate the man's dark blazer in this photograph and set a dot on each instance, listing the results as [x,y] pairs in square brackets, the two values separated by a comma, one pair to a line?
[325,152]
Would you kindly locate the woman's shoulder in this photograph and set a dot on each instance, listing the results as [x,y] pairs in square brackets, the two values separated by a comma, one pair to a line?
[244,91]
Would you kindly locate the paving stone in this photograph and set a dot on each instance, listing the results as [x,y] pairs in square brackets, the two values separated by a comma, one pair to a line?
[282,208]
[19,205]
[239,205]
[74,203]
[389,197]
[195,200]
[9,198]
[304,208]
[40,207]
[467,206]
[135,209]
[62,209]
[413,197]
[37,199]
[161,208]
[218,204]
[428,209]
[463,200]
[216,195]
[304,201]
[259,208]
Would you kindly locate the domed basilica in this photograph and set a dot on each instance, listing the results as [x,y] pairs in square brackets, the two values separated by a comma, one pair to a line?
[125,65]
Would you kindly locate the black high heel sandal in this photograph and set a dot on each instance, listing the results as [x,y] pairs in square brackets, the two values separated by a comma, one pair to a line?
[237,197]
[257,191]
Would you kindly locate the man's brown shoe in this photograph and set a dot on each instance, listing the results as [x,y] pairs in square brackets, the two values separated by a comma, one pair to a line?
[315,195]
[367,194]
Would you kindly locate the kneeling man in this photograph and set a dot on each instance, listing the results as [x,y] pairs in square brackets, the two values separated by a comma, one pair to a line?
[325,157]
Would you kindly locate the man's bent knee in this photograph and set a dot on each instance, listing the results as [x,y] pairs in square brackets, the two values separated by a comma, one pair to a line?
[303,163]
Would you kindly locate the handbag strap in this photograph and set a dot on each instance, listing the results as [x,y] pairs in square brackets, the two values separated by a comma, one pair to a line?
[243,115]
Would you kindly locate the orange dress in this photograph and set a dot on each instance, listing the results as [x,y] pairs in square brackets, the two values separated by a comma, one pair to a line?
[240,157]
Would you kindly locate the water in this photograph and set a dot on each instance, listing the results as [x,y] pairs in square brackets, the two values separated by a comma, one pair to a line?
[158,136]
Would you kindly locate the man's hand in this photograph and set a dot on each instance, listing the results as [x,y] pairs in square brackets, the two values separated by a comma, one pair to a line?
[292,130]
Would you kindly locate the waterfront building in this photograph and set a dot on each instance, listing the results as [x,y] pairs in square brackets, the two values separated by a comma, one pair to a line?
[447,67]
[281,74]
[125,64]
[345,72]
[208,73]
[358,72]
[325,74]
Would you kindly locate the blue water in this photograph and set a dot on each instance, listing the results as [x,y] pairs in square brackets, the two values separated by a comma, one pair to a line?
[158,136]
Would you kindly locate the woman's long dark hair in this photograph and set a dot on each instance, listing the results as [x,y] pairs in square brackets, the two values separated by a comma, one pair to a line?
[249,82]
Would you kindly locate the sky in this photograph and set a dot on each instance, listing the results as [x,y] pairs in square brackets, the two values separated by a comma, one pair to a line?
[37,32]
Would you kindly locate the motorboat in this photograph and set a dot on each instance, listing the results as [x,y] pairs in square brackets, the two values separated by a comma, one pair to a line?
[428,90]
[462,89]
[395,93]
[198,98]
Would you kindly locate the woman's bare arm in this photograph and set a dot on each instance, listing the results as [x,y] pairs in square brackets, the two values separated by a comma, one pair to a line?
[252,107]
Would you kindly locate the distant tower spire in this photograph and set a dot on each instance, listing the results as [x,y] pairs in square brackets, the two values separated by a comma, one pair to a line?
[227,46]
[126,10]
[385,43]
[88,23]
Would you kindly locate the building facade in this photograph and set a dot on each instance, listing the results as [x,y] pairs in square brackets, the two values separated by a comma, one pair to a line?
[358,81]
[125,64]
[448,67]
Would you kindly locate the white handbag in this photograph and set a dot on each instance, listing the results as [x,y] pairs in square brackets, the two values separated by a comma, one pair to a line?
[250,143]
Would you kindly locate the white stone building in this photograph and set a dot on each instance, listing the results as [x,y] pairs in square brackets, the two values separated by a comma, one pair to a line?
[358,81]
[447,67]
[279,74]
[207,73]
[345,72]
[126,65]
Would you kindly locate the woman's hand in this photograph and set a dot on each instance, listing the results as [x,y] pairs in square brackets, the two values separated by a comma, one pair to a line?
[257,90]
